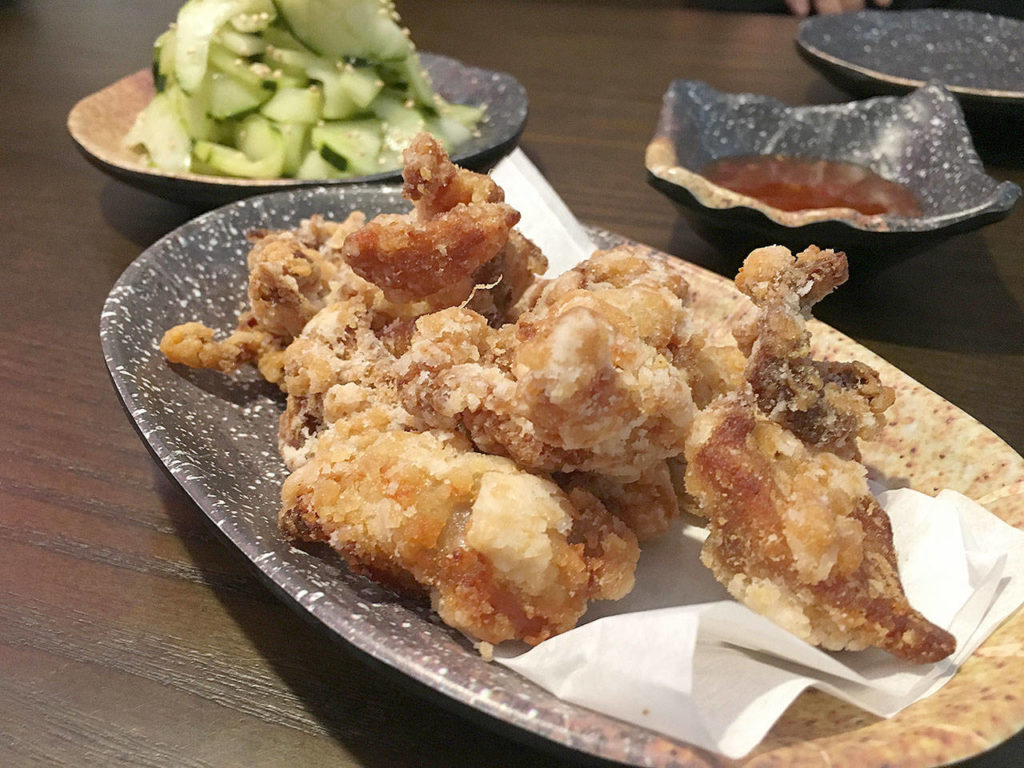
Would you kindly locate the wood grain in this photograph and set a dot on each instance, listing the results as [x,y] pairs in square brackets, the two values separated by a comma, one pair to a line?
[129,635]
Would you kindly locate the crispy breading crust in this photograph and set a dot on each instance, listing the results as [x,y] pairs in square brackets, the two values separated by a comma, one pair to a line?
[796,536]
[459,427]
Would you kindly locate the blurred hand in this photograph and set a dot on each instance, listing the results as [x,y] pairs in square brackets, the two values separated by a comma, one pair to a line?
[804,7]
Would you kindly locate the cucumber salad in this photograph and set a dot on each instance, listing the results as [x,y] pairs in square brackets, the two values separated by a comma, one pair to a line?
[309,89]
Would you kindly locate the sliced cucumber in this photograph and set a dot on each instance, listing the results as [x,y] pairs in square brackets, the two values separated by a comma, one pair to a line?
[409,77]
[338,102]
[451,133]
[315,71]
[277,79]
[198,21]
[363,84]
[228,63]
[242,44]
[401,122]
[367,29]
[277,36]
[296,146]
[255,20]
[163,59]
[295,105]
[348,90]
[353,146]
[467,114]
[293,60]
[160,129]
[313,166]
[193,110]
[230,97]
[233,162]
[257,137]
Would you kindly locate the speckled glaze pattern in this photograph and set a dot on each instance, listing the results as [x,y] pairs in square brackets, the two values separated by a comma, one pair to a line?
[98,124]
[216,435]
[976,55]
[919,141]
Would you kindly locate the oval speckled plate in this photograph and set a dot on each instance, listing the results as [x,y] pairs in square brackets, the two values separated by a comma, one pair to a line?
[99,123]
[977,56]
[217,435]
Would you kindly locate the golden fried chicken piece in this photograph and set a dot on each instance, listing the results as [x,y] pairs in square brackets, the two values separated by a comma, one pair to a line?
[435,184]
[826,404]
[506,278]
[289,282]
[342,361]
[456,247]
[193,344]
[504,554]
[647,505]
[795,535]
[433,260]
[585,380]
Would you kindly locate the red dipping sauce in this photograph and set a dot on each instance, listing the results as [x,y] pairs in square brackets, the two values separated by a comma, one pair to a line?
[797,184]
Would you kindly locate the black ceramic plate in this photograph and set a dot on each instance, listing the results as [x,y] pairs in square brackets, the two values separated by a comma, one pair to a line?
[919,141]
[216,435]
[98,124]
[977,56]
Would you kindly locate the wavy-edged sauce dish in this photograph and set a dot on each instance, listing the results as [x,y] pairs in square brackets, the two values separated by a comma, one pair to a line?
[217,436]
[979,57]
[919,141]
[99,123]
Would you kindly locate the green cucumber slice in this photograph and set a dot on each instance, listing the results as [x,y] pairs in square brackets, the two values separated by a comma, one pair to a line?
[295,105]
[451,133]
[348,90]
[338,103]
[163,59]
[366,29]
[294,61]
[352,146]
[229,97]
[161,131]
[226,62]
[193,111]
[233,162]
[313,166]
[467,114]
[400,123]
[411,79]
[258,138]
[198,21]
[277,37]
[363,84]
[255,20]
[296,146]
[241,44]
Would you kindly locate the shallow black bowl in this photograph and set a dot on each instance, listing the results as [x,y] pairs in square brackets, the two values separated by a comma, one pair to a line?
[919,141]
[98,124]
[978,57]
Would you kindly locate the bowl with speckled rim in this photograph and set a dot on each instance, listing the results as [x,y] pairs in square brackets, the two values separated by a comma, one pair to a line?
[979,57]
[99,122]
[919,141]
[216,435]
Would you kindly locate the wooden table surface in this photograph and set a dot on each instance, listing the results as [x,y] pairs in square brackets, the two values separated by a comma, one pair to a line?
[129,634]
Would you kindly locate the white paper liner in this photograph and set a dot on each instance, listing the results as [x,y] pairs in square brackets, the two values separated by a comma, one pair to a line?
[546,220]
[712,673]
[679,656]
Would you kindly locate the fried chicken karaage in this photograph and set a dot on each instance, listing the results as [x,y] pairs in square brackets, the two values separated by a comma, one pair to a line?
[457,426]
[502,552]
[794,531]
